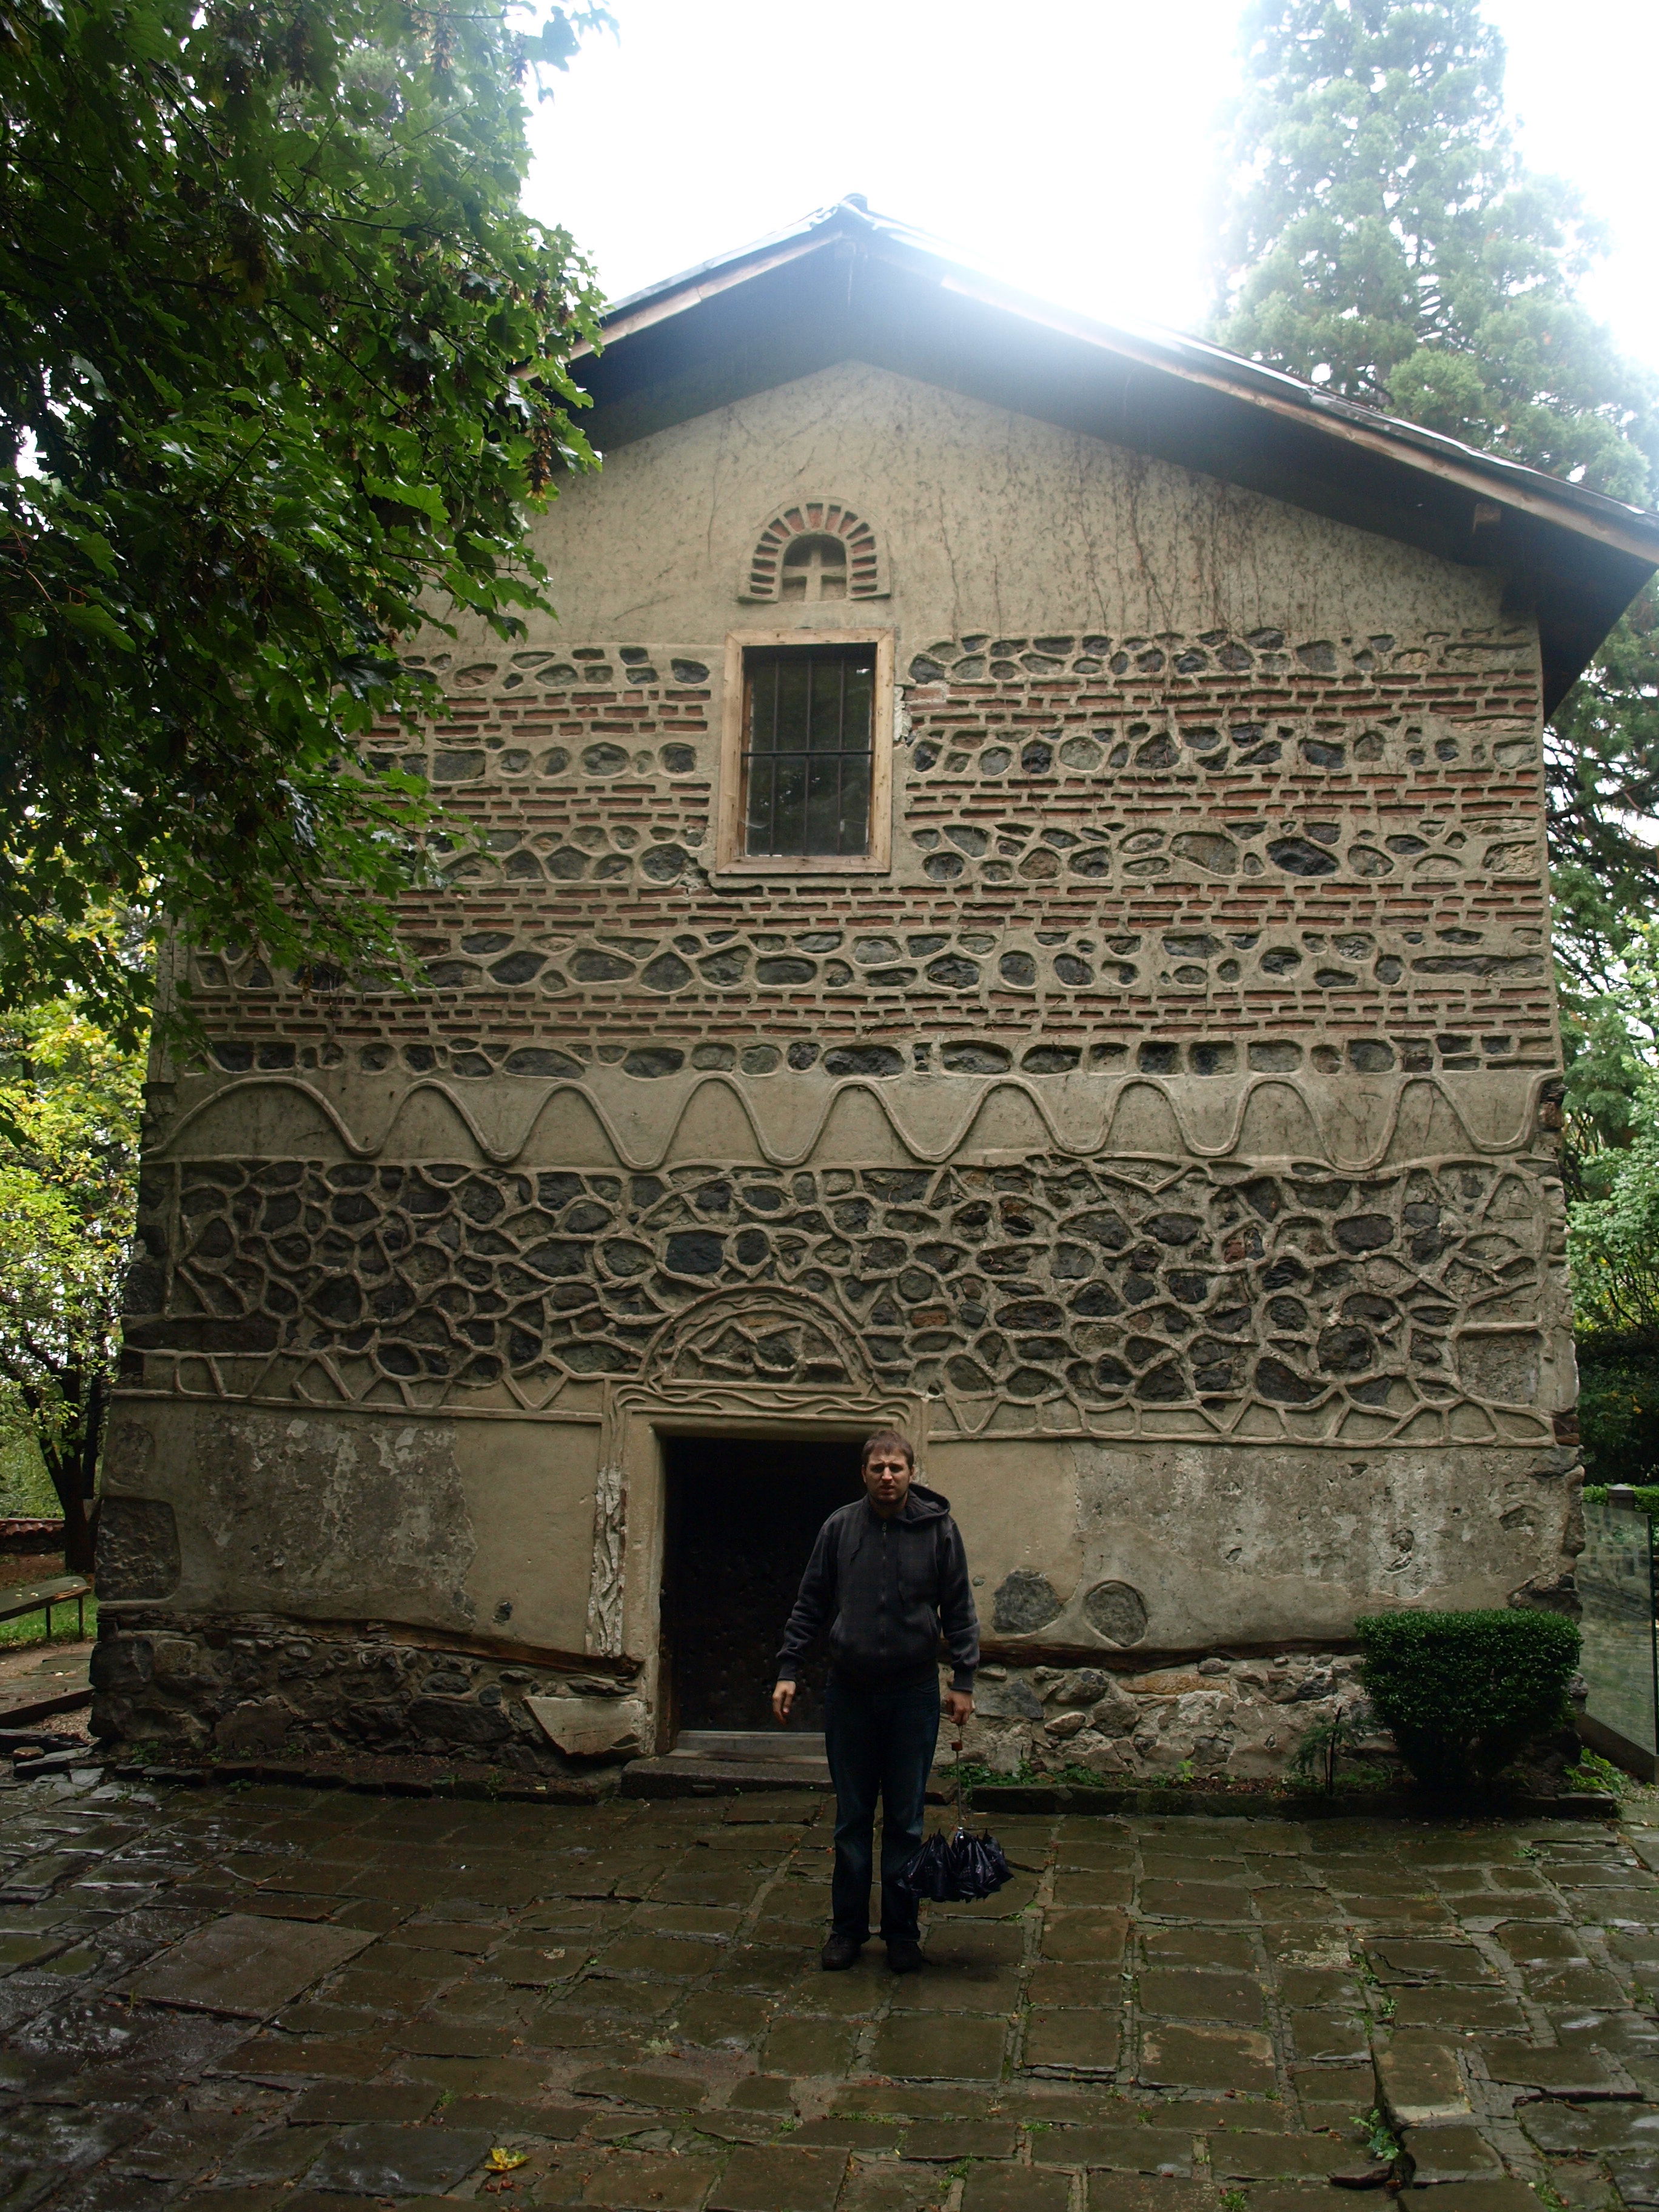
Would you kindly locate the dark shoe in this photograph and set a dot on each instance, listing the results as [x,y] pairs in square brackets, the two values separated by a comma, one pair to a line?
[904,1956]
[840,1952]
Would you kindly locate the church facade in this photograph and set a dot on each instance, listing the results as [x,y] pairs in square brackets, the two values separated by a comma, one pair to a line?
[1010,901]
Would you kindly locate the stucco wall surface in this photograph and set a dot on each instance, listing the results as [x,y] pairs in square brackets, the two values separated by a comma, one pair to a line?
[1194,1546]
[996,521]
[344,1515]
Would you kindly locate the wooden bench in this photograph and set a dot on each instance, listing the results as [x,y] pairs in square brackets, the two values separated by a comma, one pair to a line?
[42,1596]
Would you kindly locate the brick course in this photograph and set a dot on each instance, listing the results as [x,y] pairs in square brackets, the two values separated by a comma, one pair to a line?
[1319,844]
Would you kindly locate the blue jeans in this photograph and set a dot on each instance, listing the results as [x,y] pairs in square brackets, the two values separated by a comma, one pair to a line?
[880,1743]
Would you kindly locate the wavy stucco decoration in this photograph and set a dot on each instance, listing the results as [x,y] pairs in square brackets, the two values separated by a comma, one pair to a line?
[1354,1124]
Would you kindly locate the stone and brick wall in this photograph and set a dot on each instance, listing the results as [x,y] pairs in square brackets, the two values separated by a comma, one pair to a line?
[1204,855]
[1238,936]
[1188,1081]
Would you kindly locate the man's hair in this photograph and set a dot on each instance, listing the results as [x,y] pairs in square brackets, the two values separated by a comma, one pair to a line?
[887,1440]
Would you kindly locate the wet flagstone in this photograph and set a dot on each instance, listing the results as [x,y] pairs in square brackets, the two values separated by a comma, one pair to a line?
[274,2000]
[244,1965]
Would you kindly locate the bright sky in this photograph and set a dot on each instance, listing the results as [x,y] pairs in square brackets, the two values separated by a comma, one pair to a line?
[1067,149]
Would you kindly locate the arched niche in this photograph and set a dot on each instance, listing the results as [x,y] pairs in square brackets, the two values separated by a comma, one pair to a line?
[815,549]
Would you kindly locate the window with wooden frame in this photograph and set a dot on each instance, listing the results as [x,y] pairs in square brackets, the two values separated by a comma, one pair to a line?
[806,767]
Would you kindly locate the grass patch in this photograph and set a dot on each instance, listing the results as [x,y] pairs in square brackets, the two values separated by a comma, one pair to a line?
[23,1635]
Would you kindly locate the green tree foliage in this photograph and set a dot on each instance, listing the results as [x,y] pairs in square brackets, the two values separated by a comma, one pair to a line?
[1384,238]
[1613,1230]
[1619,1410]
[282,368]
[1611,1025]
[1602,761]
[1602,764]
[1381,237]
[1610,1154]
[70,1105]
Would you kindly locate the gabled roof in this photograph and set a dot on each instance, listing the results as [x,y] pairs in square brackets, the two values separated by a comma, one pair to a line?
[844,284]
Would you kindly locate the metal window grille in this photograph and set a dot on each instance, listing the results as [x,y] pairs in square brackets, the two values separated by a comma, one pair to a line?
[809,751]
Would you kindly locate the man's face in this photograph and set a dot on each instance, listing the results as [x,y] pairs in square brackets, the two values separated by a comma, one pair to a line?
[887,1479]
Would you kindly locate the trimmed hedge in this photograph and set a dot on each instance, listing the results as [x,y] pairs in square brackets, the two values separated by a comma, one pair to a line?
[1645,1495]
[1466,1692]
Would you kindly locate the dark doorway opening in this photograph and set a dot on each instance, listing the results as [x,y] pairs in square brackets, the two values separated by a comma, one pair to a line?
[742,1517]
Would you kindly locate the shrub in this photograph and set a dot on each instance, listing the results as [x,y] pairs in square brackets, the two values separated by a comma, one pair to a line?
[1466,1692]
[1645,1496]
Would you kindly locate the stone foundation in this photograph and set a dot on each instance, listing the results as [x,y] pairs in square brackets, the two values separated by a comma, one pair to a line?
[1209,1719]
[248,1687]
[169,1685]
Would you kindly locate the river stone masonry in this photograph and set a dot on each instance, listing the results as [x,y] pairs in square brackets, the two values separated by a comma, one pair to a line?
[245,1687]
[1217,1718]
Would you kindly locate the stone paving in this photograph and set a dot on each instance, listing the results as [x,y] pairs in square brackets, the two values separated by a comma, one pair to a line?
[37,1678]
[233,1999]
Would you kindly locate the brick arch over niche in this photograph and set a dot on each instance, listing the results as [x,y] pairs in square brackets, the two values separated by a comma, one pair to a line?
[816,548]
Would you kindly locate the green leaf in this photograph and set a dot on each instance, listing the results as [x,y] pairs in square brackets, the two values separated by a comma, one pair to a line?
[423,497]
[96,622]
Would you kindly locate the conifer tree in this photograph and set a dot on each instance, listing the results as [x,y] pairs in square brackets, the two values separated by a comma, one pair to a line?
[1382,238]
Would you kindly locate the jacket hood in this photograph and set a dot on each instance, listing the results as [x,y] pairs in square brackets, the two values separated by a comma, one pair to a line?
[922,1504]
[886,1604]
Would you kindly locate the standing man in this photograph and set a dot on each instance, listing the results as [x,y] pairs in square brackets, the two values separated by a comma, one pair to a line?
[887,1575]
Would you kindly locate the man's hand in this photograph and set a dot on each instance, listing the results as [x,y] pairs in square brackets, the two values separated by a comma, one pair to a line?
[959,1704]
[782,1697]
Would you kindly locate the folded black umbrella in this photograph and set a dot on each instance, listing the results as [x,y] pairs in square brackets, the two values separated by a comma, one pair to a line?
[956,1869]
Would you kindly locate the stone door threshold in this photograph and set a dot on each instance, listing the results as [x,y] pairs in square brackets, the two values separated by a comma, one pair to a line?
[730,1762]
[743,1744]
[675,1777]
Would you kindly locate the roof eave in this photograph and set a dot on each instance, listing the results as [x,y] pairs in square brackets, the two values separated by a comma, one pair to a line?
[1629,530]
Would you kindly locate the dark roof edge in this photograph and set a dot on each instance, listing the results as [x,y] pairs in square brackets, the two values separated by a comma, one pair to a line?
[1631,529]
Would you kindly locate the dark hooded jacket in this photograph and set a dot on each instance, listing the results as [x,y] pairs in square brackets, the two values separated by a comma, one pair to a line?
[886,1590]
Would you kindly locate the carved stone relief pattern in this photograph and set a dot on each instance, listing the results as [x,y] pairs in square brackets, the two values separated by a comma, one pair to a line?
[1141,1299]
[605,1594]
